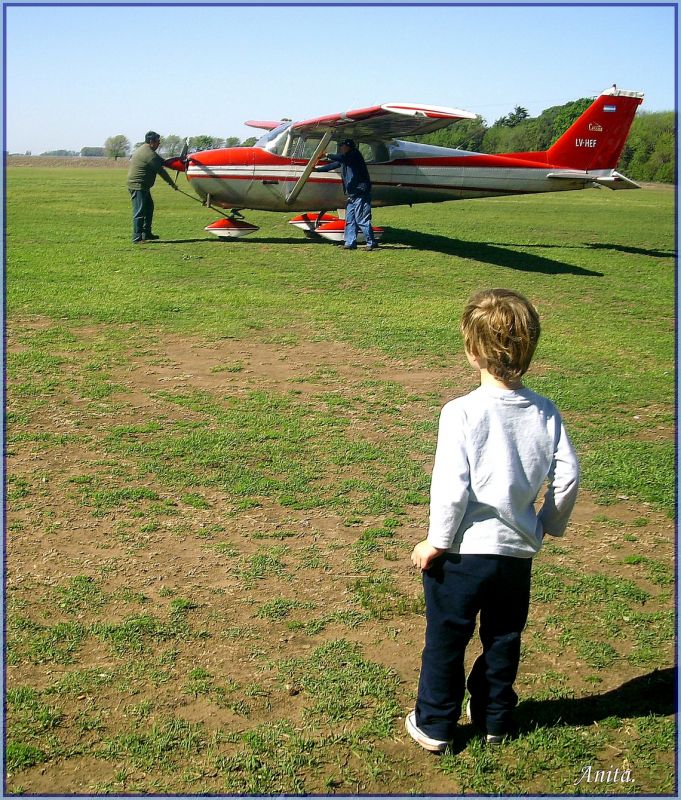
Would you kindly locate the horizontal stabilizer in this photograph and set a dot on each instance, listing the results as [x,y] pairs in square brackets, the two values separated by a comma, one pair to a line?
[617,181]
[613,181]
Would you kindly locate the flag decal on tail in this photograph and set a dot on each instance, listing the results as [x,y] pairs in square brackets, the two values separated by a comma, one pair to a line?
[610,109]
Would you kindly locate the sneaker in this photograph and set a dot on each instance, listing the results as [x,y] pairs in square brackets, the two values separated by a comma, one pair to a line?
[373,246]
[151,237]
[349,247]
[433,745]
[490,738]
[139,241]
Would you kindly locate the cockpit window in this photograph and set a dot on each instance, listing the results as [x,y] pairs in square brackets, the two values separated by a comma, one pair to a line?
[275,140]
[374,152]
[280,142]
[303,148]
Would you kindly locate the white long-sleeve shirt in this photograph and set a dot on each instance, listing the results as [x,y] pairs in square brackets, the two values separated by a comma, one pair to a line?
[495,450]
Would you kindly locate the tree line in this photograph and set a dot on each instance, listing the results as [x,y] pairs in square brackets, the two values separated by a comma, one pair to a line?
[649,154]
[119,146]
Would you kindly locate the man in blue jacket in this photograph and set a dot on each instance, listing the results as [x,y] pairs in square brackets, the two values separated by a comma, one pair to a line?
[357,187]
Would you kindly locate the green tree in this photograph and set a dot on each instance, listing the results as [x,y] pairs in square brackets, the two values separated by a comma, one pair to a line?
[117,146]
[171,145]
[514,118]
[514,132]
[92,152]
[205,142]
[559,118]
[465,135]
[517,116]
[650,151]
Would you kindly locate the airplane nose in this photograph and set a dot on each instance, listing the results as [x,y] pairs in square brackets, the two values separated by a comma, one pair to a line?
[176,164]
[179,163]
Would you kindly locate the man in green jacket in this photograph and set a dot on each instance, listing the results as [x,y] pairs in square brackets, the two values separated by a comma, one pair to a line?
[145,165]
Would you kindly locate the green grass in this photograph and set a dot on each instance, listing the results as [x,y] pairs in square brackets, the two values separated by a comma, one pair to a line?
[238,546]
[599,267]
[346,689]
[279,608]
[162,746]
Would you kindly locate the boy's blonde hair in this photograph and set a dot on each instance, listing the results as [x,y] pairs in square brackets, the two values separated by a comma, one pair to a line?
[502,327]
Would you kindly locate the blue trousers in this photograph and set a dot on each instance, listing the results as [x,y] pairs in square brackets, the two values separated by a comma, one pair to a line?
[358,215]
[142,213]
[457,589]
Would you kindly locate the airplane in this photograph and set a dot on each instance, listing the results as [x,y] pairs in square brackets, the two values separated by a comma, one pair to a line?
[277,173]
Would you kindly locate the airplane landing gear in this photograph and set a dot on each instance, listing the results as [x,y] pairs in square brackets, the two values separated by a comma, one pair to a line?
[233,226]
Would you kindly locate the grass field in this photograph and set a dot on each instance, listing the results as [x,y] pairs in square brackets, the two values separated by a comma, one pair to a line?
[218,459]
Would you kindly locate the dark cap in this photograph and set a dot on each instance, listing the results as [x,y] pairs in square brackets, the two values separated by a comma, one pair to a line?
[348,142]
[151,136]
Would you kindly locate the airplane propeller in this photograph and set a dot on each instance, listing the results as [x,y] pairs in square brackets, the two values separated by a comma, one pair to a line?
[182,158]
[185,150]
[179,163]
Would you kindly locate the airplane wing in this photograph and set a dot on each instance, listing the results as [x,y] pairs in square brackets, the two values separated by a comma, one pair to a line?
[387,121]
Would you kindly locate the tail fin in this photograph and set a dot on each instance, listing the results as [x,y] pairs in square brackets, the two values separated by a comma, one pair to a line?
[596,139]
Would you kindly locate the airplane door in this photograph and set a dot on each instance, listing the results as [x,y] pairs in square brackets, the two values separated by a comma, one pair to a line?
[301,155]
[269,167]
[380,168]
[276,173]
[299,152]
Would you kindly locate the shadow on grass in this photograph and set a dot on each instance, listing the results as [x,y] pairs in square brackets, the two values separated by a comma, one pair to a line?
[234,241]
[501,254]
[486,253]
[161,242]
[639,697]
[648,694]
[637,251]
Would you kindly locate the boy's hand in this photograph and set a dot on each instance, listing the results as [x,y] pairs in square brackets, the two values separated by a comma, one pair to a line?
[424,553]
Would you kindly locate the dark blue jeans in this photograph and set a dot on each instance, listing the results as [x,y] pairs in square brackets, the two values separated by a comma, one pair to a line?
[142,213]
[457,588]
[358,215]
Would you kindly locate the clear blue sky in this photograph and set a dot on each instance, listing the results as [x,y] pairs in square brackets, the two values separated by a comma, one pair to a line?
[78,75]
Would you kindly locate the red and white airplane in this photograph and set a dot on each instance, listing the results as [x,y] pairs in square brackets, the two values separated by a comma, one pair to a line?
[276,174]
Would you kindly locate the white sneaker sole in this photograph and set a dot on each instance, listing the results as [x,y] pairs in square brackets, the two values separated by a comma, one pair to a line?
[432,745]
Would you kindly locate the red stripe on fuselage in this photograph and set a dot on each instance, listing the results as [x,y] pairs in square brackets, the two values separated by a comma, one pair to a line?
[400,185]
[254,156]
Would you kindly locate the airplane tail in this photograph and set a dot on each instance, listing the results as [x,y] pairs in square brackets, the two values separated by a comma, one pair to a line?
[596,139]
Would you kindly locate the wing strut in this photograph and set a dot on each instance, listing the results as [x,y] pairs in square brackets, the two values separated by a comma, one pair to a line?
[326,138]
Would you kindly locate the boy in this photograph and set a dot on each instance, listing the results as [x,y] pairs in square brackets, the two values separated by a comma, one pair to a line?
[496,447]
